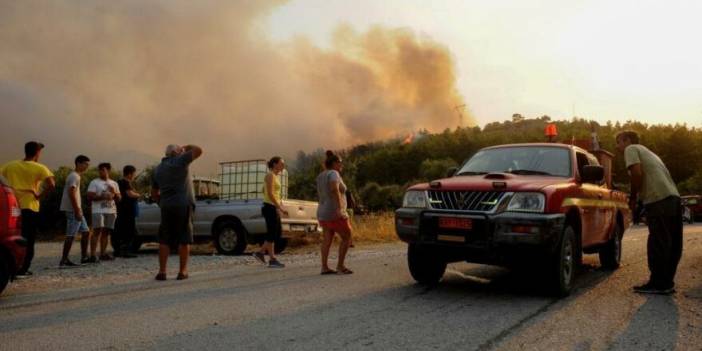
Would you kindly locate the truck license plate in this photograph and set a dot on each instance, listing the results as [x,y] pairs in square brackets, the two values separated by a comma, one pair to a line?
[452,238]
[455,223]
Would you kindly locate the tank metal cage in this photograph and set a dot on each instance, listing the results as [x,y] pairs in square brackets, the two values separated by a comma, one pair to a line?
[243,180]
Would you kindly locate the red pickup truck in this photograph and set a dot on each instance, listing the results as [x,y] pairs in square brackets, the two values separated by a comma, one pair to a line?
[517,204]
[12,244]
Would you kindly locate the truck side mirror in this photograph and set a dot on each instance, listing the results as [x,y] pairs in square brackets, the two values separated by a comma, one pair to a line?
[451,171]
[592,174]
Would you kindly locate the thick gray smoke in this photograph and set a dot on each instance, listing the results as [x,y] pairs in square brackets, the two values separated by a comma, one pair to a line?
[118,80]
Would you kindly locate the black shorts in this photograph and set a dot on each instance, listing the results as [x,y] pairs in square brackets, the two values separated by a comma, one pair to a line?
[274,228]
[176,225]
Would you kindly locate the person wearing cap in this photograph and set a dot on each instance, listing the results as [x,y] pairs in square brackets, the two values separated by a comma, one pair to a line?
[172,189]
[31,181]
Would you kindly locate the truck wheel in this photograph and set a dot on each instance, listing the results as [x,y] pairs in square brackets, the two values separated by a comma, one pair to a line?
[564,263]
[230,239]
[425,265]
[280,245]
[611,253]
[4,272]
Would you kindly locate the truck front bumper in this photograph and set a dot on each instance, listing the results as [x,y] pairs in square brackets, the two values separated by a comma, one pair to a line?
[492,237]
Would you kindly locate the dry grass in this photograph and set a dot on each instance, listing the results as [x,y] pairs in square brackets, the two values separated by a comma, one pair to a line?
[367,229]
[374,228]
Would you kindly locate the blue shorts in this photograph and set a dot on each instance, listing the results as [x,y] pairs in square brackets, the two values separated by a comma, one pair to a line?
[74,226]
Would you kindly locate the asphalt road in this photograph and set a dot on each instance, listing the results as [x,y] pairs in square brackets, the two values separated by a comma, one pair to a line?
[235,304]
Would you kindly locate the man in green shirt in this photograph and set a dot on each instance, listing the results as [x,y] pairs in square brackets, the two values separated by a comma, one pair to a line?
[651,181]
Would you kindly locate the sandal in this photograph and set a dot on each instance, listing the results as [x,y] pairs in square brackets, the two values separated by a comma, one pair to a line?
[344,271]
[161,276]
[331,271]
[182,276]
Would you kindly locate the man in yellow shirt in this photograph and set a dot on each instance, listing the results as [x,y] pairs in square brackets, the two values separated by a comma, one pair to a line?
[652,183]
[26,178]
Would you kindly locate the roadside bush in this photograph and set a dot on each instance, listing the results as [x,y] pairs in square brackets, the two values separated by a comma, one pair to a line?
[436,168]
[381,198]
[692,185]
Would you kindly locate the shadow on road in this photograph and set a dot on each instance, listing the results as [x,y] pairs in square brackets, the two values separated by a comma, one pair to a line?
[527,281]
[654,326]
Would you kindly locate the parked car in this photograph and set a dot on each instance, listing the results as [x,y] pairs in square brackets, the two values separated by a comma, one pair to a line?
[230,224]
[694,203]
[513,205]
[228,211]
[12,244]
[687,215]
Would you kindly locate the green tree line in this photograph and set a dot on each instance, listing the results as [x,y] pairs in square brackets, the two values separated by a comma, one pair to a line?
[379,172]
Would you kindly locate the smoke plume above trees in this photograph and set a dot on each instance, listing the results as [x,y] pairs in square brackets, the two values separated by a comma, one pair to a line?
[118,81]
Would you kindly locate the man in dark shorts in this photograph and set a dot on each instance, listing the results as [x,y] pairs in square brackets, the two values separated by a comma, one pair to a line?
[172,189]
[125,226]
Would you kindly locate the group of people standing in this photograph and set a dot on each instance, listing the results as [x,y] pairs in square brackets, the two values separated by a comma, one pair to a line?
[331,212]
[113,213]
[113,206]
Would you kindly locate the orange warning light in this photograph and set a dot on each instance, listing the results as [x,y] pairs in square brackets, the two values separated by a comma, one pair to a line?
[551,130]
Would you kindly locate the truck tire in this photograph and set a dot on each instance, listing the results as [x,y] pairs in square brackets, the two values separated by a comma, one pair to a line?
[280,245]
[230,239]
[4,272]
[611,253]
[425,265]
[564,263]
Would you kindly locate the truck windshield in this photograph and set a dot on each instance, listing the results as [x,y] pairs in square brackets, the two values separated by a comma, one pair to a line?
[524,160]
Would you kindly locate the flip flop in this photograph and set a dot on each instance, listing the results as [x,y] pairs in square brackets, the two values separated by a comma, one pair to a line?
[331,271]
[344,271]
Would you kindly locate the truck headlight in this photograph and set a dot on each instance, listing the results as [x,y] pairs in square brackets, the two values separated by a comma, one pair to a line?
[527,202]
[414,198]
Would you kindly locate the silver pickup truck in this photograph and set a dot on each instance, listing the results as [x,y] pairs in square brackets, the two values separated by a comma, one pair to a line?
[230,224]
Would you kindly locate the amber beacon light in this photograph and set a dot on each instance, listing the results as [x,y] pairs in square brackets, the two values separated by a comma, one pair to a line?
[551,132]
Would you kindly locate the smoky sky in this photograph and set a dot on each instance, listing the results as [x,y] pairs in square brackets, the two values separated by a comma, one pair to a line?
[119,80]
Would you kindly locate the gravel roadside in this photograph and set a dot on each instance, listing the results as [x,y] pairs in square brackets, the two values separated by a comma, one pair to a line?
[49,277]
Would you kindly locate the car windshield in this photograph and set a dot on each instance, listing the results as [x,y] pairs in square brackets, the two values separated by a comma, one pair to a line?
[525,160]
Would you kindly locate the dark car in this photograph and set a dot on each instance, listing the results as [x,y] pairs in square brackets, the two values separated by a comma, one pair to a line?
[12,244]
[694,203]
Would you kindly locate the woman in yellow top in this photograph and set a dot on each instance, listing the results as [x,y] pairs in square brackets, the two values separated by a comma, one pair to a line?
[272,211]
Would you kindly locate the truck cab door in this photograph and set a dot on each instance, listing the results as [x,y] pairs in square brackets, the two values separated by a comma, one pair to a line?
[594,210]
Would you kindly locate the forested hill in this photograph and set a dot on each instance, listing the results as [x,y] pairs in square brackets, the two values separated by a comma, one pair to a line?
[378,172]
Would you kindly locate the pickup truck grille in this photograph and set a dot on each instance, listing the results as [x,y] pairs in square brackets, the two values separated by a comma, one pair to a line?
[480,201]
